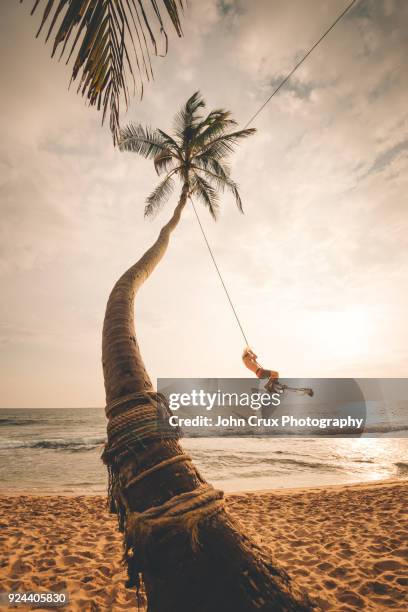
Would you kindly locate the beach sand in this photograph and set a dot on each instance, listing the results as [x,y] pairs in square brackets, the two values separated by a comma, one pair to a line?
[347,545]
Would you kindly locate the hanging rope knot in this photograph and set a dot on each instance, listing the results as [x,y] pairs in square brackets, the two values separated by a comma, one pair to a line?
[181,513]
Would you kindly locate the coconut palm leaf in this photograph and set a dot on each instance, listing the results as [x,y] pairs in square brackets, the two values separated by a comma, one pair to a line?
[206,193]
[170,142]
[159,196]
[215,124]
[144,141]
[233,188]
[164,161]
[205,162]
[187,120]
[223,145]
[112,41]
[222,181]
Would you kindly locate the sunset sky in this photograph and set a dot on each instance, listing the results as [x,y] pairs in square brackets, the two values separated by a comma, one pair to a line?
[318,265]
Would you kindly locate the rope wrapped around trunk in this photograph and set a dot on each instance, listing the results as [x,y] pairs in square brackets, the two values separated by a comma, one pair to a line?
[134,421]
[136,418]
[181,513]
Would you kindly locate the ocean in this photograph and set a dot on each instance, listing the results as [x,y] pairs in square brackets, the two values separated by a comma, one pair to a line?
[57,451]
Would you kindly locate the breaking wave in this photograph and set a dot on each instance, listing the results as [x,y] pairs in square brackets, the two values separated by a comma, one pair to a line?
[248,460]
[17,422]
[385,428]
[402,467]
[71,445]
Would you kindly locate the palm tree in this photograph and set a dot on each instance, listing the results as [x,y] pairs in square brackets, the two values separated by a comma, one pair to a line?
[114,41]
[178,537]
[196,154]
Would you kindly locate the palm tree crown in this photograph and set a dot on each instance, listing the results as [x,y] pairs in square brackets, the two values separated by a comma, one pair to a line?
[196,153]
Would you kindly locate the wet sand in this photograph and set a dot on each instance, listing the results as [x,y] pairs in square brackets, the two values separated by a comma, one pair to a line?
[347,545]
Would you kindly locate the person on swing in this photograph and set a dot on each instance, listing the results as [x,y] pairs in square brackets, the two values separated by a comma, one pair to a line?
[273,384]
[250,360]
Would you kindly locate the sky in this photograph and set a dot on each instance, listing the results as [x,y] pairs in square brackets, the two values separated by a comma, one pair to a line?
[317,267]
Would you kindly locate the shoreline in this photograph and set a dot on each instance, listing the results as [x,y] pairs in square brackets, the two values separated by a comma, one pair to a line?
[294,490]
[5,493]
[345,544]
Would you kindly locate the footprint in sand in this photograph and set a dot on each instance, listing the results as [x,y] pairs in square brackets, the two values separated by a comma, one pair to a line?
[105,570]
[19,567]
[330,584]
[72,559]
[402,552]
[312,550]
[86,579]
[59,586]
[339,572]
[325,566]
[387,565]
[377,587]
[351,599]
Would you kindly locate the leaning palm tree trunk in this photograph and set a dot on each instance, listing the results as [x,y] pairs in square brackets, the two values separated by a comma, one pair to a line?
[178,536]
[123,368]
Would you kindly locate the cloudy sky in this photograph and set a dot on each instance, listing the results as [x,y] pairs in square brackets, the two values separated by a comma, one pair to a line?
[317,266]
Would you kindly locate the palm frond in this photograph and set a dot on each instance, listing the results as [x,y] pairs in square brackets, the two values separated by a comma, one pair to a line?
[144,141]
[206,162]
[221,180]
[164,161]
[112,41]
[187,120]
[223,145]
[170,142]
[234,190]
[192,105]
[159,196]
[215,124]
[206,193]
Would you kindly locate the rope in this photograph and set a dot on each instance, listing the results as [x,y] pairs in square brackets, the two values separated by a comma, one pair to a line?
[158,466]
[144,418]
[219,274]
[142,397]
[287,77]
[254,116]
[180,513]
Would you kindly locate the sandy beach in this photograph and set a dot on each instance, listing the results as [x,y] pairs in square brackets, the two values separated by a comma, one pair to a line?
[347,545]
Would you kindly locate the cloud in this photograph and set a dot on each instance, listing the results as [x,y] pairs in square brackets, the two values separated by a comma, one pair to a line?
[385,158]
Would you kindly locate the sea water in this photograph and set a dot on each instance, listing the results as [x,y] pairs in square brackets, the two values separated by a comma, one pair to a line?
[57,451]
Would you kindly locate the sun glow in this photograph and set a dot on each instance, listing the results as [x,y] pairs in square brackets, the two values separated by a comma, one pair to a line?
[343,333]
